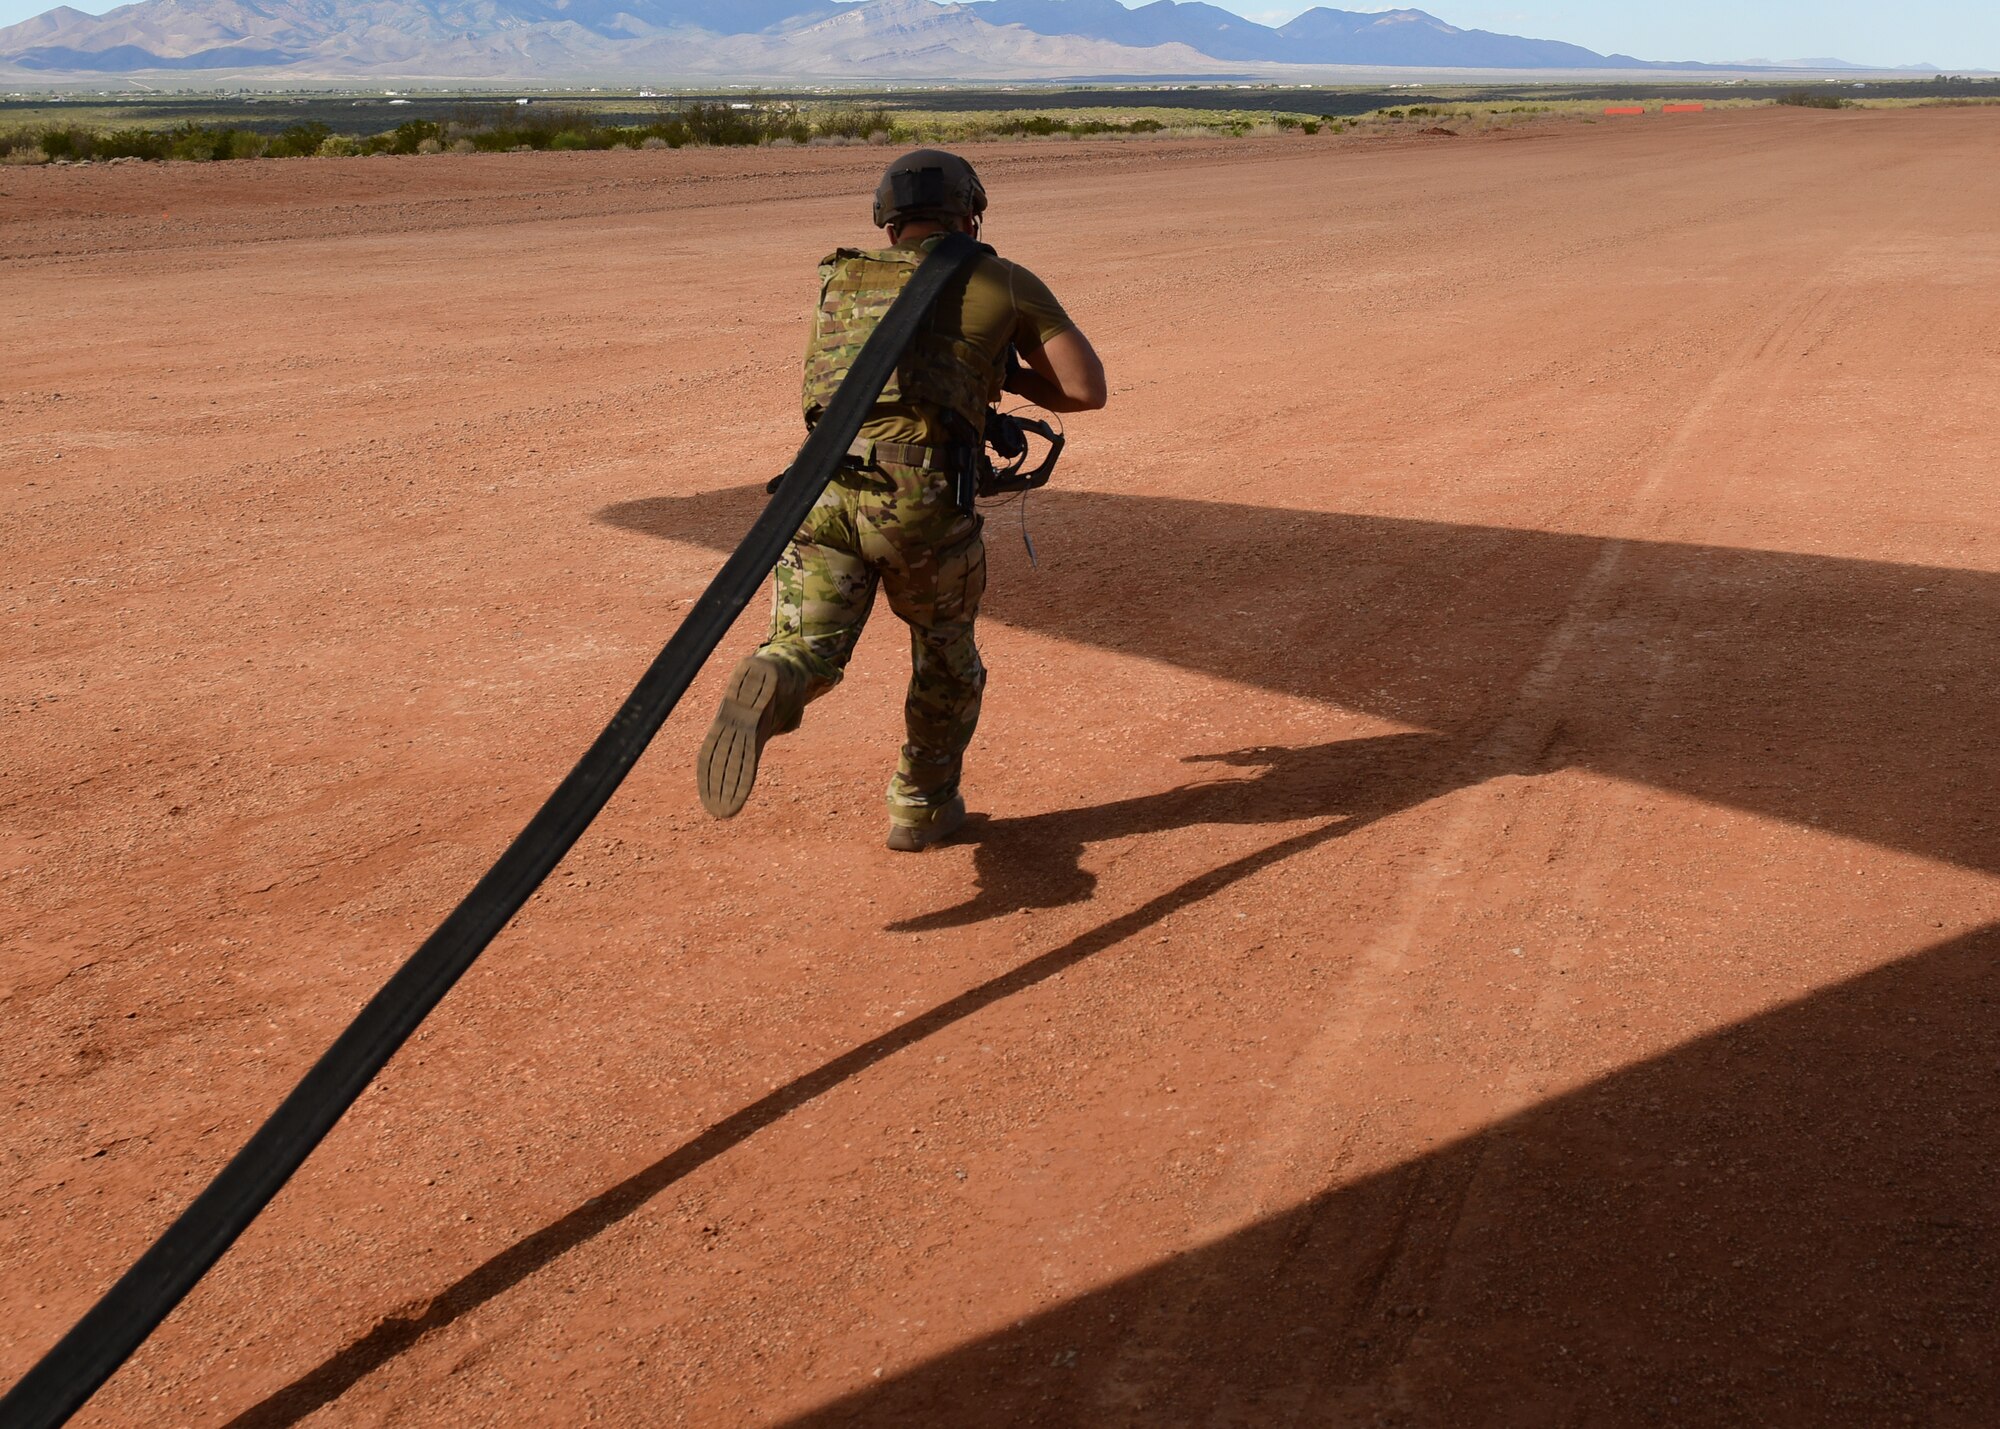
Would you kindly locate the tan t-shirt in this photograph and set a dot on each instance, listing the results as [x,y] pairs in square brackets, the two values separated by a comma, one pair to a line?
[995,304]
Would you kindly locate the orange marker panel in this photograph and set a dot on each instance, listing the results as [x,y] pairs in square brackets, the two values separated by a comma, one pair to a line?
[1626,109]
[1685,108]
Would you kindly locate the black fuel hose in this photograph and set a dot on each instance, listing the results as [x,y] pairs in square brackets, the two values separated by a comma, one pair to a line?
[59,1384]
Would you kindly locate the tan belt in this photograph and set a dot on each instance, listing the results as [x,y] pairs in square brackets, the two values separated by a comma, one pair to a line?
[869,453]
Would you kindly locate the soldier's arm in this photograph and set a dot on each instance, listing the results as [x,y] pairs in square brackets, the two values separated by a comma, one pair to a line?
[1063,374]
[1060,369]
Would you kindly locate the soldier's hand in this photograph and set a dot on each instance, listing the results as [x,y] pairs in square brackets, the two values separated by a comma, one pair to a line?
[1015,371]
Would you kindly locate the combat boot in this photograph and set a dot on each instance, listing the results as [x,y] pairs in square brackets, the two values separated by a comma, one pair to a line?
[726,768]
[915,838]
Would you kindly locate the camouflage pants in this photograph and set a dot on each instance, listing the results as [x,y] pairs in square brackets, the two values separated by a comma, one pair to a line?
[896,529]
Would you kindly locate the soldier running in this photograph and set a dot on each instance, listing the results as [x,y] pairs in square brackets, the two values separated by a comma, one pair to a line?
[900,516]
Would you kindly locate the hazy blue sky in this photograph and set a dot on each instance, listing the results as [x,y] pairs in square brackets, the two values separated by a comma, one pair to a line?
[1954,34]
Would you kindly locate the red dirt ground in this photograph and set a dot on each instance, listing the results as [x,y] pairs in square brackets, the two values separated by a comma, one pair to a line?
[1485,911]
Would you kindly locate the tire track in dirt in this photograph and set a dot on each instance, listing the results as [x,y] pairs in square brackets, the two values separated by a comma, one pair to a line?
[1306,1148]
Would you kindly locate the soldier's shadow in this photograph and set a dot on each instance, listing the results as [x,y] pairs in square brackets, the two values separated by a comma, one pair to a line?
[1037,861]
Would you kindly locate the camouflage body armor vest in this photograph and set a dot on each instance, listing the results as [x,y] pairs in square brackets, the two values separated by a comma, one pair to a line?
[943,373]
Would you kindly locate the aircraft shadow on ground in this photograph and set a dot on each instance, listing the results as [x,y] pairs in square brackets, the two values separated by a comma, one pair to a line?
[1402,762]
[1854,696]
[1790,1222]
[1787,1222]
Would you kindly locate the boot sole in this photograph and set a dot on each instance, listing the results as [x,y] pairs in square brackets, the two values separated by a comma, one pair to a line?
[726,767]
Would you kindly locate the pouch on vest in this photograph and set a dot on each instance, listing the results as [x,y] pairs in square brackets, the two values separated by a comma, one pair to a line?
[946,374]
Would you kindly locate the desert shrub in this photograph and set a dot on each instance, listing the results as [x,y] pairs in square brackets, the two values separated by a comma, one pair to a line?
[410,136]
[711,124]
[525,131]
[1309,126]
[1045,126]
[197,143]
[403,139]
[554,129]
[1811,99]
[530,129]
[127,144]
[1039,125]
[298,142]
[57,144]
[853,122]
[68,141]
[24,154]
[194,142]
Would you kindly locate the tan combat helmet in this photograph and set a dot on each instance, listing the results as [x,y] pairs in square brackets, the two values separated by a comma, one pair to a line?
[928,184]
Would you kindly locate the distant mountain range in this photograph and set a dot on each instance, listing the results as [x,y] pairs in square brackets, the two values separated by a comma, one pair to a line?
[667,40]
[1392,38]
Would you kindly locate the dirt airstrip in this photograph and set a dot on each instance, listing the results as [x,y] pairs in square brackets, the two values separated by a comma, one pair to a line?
[1484,905]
